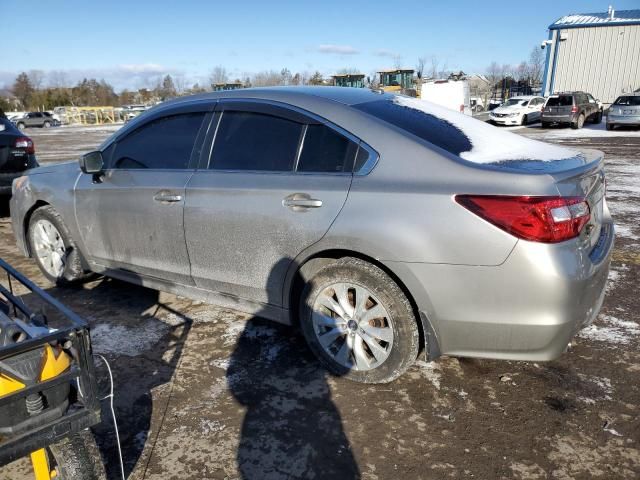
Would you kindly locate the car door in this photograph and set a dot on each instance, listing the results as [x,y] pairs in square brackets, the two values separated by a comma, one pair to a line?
[273,184]
[535,105]
[32,120]
[132,218]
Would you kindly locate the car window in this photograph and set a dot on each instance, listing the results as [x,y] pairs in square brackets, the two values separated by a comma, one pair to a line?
[591,99]
[560,101]
[165,143]
[525,103]
[628,100]
[430,128]
[325,150]
[255,141]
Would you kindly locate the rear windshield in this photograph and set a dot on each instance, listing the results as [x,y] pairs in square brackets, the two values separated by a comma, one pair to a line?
[628,100]
[561,101]
[469,139]
[423,125]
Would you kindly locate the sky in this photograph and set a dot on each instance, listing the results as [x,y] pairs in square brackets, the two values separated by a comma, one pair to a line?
[131,43]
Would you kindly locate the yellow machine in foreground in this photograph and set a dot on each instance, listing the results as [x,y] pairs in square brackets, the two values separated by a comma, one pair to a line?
[47,387]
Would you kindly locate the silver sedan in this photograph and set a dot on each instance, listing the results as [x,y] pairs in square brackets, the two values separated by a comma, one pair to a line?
[382,225]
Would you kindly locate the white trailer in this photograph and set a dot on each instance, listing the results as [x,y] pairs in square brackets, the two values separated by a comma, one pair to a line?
[453,94]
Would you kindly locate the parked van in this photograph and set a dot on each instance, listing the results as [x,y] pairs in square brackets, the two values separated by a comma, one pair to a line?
[453,94]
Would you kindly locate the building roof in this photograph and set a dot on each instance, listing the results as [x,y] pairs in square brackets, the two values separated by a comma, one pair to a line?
[602,19]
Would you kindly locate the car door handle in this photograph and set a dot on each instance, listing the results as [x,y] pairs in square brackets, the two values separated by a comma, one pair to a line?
[301,201]
[167,197]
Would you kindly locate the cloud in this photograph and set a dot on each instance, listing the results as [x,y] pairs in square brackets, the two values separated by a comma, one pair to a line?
[383,52]
[338,49]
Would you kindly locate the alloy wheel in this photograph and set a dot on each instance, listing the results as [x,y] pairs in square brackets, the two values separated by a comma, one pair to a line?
[352,326]
[49,247]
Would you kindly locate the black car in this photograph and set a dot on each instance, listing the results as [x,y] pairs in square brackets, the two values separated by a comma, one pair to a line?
[17,154]
[572,108]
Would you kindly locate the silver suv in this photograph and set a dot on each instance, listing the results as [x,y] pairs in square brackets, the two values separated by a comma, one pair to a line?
[382,225]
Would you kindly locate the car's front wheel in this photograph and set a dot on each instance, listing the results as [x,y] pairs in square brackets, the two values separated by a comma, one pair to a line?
[610,126]
[21,126]
[358,322]
[54,250]
[525,120]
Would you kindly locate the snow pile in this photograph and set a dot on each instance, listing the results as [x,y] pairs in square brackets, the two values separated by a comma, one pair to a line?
[489,144]
[614,331]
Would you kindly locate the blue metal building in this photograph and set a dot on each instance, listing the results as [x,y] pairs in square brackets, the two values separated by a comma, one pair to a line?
[595,52]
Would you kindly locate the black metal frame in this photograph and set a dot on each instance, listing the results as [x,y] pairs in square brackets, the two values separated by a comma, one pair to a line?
[81,414]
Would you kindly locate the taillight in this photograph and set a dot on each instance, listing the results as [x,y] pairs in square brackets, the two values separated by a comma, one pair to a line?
[26,143]
[574,109]
[538,219]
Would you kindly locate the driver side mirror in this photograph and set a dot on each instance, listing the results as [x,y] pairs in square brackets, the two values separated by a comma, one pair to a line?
[92,163]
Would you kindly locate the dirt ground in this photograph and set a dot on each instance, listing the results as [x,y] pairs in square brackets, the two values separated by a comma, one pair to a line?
[205,392]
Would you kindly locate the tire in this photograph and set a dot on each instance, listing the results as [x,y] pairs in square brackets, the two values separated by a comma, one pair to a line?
[47,225]
[579,123]
[597,118]
[21,126]
[77,458]
[545,124]
[525,120]
[610,126]
[397,341]
[46,125]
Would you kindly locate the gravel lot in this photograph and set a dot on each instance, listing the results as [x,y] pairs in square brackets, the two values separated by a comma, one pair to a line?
[204,392]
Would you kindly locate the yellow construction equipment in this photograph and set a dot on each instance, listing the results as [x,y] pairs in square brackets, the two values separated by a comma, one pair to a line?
[397,81]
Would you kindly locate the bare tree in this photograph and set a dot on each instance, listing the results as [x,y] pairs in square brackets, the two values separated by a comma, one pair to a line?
[36,77]
[58,79]
[536,65]
[420,67]
[218,75]
[433,72]
[397,62]
[266,78]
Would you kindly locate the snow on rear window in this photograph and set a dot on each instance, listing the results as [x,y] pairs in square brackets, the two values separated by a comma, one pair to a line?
[462,135]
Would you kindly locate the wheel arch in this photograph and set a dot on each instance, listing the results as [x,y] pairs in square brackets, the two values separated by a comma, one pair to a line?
[302,269]
[27,220]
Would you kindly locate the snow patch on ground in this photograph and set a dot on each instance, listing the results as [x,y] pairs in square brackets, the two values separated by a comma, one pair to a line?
[626,231]
[589,131]
[125,340]
[431,371]
[612,330]
[490,145]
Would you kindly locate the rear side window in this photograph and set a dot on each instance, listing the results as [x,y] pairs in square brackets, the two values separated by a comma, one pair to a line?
[165,143]
[629,100]
[255,141]
[561,101]
[325,150]
[423,125]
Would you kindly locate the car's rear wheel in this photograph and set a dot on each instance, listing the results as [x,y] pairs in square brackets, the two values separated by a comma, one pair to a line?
[358,322]
[54,250]
[21,126]
[46,124]
[610,126]
[597,118]
[579,123]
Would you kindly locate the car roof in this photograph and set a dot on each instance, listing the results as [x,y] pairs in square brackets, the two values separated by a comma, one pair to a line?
[524,97]
[343,95]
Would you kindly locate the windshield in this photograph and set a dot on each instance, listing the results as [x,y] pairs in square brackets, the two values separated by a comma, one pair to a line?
[561,101]
[512,101]
[629,100]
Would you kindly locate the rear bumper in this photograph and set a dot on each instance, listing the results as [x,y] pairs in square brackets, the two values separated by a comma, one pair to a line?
[528,308]
[623,119]
[547,117]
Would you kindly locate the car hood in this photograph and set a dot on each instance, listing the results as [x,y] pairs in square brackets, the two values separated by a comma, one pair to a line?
[68,166]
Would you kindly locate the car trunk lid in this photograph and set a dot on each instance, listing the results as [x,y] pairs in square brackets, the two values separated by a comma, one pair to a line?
[587,181]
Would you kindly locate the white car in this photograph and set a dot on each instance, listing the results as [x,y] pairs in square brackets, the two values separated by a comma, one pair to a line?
[518,111]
